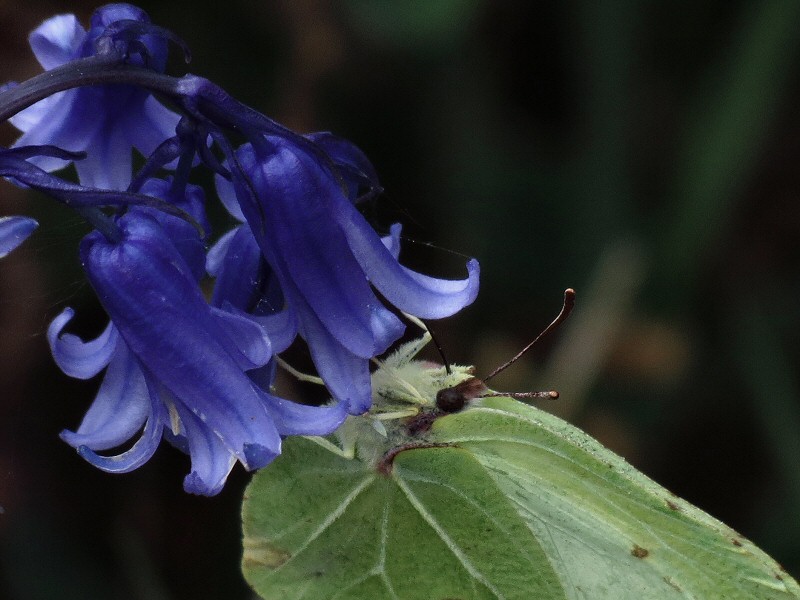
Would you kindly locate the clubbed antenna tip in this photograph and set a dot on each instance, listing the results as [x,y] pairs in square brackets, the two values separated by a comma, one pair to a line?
[566,309]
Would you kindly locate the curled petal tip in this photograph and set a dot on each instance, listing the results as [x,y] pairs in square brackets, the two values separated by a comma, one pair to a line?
[79,359]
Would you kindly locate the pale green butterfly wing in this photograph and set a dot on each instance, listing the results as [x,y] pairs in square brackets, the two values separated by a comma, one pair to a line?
[605,526]
[316,526]
[504,501]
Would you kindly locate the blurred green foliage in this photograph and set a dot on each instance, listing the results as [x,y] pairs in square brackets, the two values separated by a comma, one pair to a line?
[645,153]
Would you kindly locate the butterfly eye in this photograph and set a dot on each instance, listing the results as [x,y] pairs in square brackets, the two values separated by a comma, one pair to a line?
[450,400]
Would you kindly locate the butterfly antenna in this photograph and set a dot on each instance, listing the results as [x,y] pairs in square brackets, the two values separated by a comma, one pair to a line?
[552,395]
[566,308]
[439,348]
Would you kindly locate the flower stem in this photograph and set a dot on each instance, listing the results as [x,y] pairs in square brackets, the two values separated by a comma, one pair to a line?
[101,222]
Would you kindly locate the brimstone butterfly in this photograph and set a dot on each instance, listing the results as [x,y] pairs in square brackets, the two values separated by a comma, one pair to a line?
[496,500]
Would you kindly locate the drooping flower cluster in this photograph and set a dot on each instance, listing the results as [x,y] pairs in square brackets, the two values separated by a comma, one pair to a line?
[303,260]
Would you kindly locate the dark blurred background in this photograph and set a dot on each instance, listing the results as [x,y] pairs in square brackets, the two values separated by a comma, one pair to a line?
[646,153]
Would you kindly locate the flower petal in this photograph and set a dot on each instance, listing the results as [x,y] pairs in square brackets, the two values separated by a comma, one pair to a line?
[420,295]
[142,449]
[392,241]
[52,121]
[120,408]
[79,359]
[281,328]
[240,271]
[108,159]
[215,258]
[346,375]
[246,341]
[25,120]
[57,41]
[292,418]
[264,377]
[14,231]
[227,195]
[149,124]
[211,460]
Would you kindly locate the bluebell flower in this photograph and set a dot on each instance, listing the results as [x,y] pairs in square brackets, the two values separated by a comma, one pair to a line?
[175,364]
[14,231]
[298,200]
[303,262]
[105,121]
